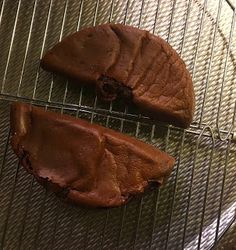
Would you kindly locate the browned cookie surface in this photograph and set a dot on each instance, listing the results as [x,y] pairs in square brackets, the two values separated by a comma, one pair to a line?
[84,163]
[125,61]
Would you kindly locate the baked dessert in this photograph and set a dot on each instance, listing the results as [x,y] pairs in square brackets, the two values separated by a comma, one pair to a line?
[81,162]
[123,61]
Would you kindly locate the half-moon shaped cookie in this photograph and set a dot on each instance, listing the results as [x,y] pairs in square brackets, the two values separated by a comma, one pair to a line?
[123,61]
[81,162]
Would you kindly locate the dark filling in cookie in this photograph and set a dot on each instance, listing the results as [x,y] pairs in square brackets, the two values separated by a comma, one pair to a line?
[110,89]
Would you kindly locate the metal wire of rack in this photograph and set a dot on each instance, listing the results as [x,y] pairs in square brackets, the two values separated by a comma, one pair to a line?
[197,205]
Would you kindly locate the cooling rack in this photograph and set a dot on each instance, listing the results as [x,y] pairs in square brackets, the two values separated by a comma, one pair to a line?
[197,204]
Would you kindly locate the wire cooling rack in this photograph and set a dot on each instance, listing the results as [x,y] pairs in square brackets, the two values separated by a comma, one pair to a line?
[198,203]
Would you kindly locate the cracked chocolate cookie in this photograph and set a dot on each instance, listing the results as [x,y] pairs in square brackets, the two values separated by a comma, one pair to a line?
[123,61]
[81,162]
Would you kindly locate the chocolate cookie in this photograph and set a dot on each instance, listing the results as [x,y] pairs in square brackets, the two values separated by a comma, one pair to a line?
[123,61]
[84,163]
